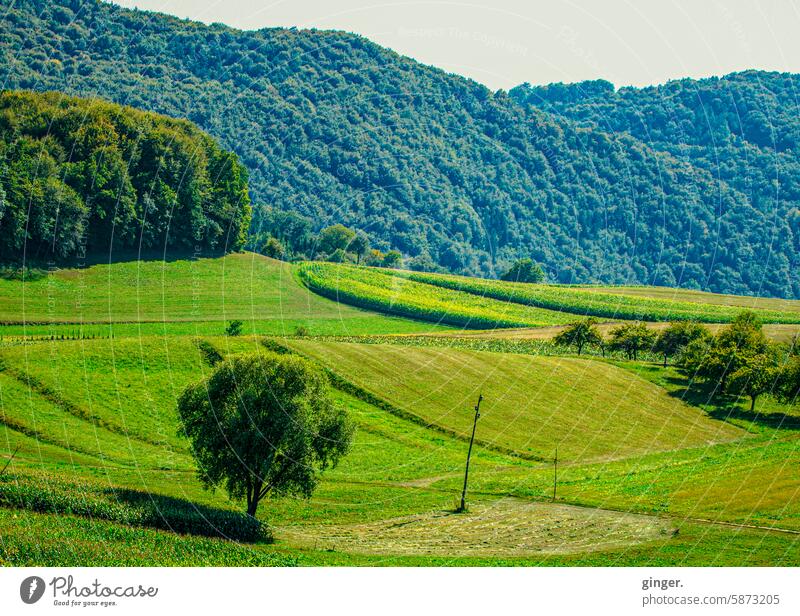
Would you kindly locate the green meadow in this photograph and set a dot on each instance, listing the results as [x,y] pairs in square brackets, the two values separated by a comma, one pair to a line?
[651,469]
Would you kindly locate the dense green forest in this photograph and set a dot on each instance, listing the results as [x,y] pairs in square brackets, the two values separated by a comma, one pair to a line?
[438,167]
[742,129]
[80,176]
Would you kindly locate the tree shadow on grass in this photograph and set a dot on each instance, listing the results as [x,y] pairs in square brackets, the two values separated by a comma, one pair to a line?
[48,494]
[185,517]
[726,407]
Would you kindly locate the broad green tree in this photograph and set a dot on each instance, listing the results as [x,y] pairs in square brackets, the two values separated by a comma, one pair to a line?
[263,425]
[524,270]
[756,375]
[788,388]
[631,338]
[717,358]
[335,237]
[579,335]
[677,336]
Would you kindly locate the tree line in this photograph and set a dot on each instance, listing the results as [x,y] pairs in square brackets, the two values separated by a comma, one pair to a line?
[738,360]
[289,236]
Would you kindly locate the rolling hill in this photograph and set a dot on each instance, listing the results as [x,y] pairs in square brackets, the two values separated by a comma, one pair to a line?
[98,472]
[453,175]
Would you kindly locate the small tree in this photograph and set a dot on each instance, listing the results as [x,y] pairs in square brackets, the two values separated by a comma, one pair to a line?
[632,338]
[677,336]
[336,237]
[718,357]
[788,385]
[524,270]
[359,246]
[579,334]
[273,248]
[393,259]
[264,424]
[756,375]
[234,328]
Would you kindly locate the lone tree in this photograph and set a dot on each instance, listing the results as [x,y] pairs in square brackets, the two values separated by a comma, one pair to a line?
[632,338]
[677,336]
[264,424]
[359,246]
[524,270]
[580,334]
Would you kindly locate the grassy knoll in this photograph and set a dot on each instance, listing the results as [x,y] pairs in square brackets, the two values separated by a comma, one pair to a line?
[532,404]
[387,291]
[612,305]
[387,503]
[183,297]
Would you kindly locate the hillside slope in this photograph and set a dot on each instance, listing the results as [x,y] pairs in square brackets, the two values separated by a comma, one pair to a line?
[742,129]
[429,163]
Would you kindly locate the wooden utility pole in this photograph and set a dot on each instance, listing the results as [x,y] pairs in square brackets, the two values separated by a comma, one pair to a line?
[555,474]
[463,506]
[13,455]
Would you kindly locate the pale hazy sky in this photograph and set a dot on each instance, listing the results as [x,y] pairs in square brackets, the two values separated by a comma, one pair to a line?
[505,42]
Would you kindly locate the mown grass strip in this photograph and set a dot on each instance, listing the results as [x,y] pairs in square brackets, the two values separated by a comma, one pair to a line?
[55,398]
[349,387]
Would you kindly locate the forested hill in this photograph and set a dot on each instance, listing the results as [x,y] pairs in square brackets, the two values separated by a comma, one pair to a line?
[80,177]
[742,128]
[435,165]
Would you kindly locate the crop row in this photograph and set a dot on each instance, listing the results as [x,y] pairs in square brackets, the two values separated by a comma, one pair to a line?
[375,290]
[593,303]
[46,494]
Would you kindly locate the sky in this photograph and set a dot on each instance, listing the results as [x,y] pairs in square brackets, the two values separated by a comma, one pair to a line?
[502,43]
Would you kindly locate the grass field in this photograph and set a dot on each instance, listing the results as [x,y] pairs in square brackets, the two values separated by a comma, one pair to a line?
[651,470]
[183,297]
[532,404]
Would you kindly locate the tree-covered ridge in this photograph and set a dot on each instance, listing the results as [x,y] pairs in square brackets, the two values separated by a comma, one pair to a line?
[742,129]
[436,166]
[80,176]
